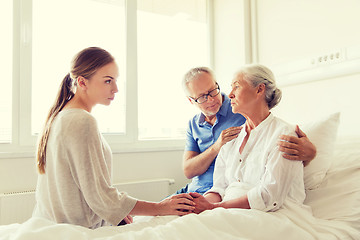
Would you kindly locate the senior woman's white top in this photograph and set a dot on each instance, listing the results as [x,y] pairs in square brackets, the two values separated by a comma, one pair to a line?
[259,171]
[76,187]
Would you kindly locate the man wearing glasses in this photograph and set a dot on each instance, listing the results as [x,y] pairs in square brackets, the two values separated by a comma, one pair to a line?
[216,125]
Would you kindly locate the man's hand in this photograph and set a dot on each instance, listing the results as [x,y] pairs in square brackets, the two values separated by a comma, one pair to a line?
[226,136]
[297,148]
[195,163]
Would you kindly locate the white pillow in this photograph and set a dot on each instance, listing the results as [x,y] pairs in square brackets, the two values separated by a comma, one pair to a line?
[322,134]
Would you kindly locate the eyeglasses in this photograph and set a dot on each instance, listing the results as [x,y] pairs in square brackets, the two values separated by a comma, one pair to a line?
[204,97]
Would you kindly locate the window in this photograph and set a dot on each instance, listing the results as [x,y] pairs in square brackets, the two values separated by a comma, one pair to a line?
[154,43]
[6,59]
[172,38]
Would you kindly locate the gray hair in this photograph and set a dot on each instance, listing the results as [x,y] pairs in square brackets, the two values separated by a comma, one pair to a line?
[257,74]
[192,74]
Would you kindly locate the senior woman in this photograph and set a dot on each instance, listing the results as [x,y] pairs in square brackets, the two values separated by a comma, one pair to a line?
[250,171]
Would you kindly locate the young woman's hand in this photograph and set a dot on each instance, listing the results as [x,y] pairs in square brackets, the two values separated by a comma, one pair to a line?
[180,204]
[127,220]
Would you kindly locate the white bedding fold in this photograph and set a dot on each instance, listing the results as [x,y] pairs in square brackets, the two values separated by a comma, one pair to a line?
[217,224]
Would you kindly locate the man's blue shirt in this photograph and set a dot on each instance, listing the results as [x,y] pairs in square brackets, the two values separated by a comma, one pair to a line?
[201,135]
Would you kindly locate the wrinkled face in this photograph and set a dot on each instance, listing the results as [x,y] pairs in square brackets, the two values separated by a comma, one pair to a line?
[101,87]
[243,95]
[203,84]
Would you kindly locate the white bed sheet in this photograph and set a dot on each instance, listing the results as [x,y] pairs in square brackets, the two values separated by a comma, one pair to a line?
[335,205]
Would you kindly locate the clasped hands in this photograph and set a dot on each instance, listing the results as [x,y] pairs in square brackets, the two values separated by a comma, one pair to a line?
[192,203]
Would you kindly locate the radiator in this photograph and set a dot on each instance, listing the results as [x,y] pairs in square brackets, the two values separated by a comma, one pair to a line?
[17,207]
[150,190]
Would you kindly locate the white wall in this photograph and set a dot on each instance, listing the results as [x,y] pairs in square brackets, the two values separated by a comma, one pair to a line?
[289,30]
[230,45]
[17,174]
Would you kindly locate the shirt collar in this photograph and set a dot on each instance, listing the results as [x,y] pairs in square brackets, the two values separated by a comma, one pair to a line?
[264,123]
[258,128]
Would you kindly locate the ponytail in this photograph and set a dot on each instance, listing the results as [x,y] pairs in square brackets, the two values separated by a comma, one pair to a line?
[64,95]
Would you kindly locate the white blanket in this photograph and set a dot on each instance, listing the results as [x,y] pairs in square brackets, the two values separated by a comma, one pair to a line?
[216,224]
[335,215]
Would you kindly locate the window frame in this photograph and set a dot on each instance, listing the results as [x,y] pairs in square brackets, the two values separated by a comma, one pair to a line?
[23,143]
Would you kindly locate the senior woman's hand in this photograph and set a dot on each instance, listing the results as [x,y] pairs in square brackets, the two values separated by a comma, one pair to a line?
[201,203]
[297,148]
[127,220]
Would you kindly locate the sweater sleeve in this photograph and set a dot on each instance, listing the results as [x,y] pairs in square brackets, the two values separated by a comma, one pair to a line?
[91,173]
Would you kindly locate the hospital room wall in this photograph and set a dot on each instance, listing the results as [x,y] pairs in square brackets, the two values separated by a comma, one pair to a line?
[292,30]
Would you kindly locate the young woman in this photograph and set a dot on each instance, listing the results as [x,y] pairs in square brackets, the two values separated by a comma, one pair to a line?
[74,161]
